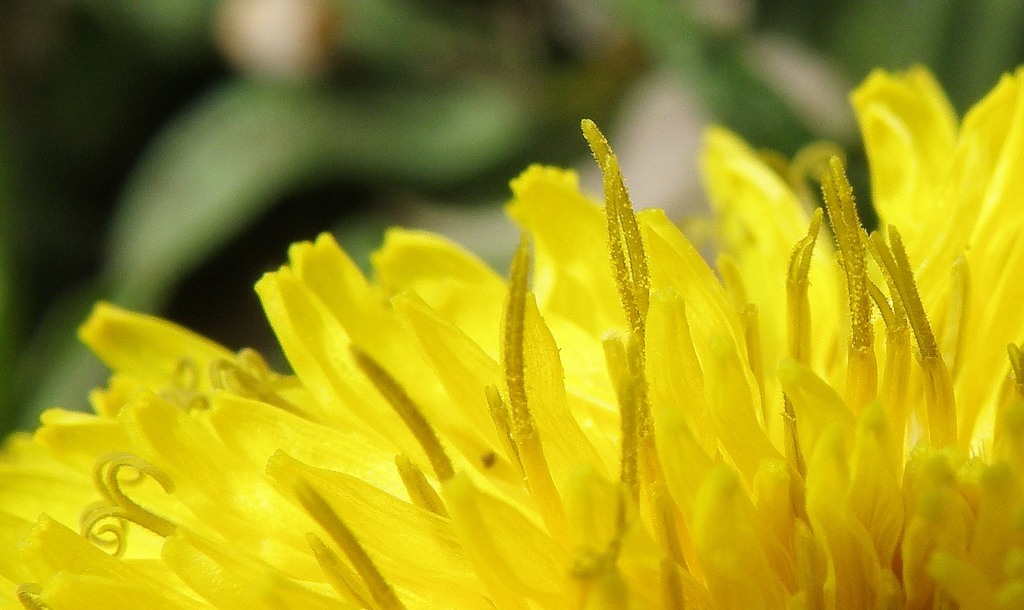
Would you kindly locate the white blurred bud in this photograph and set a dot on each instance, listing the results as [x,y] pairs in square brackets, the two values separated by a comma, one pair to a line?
[278,39]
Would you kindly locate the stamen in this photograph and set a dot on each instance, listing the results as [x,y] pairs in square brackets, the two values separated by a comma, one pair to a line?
[883,257]
[117,506]
[792,438]
[732,280]
[408,411]
[629,260]
[110,536]
[185,375]
[813,160]
[896,371]
[752,334]
[903,277]
[672,596]
[341,578]
[664,519]
[810,565]
[1016,355]
[882,303]
[635,367]
[228,375]
[28,596]
[956,313]
[420,491]
[797,305]
[638,461]
[592,563]
[939,398]
[798,322]
[322,513]
[862,371]
[499,415]
[255,363]
[810,164]
[617,362]
[632,277]
[249,376]
[513,341]
[523,429]
[184,388]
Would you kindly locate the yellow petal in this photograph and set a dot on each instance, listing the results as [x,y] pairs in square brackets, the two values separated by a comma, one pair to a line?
[461,366]
[734,411]
[228,579]
[874,495]
[565,444]
[425,560]
[77,438]
[86,592]
[909,130]
[569,235]
[673,370]
[318,349]
[967,585]
[13,530]
[456,284]
[511,554]
[999,502]
[684,461]
[985,173]
[738,572]
[51,549]
[328,277]
[675,263]
[217,486]
[992,320]
[855,576]
[148,349]
[817,405]
[32,482]
[256,431]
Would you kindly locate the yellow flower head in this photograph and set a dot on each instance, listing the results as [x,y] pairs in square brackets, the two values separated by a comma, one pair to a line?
[817,423]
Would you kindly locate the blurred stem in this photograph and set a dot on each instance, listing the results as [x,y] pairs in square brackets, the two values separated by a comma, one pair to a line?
[8,313]
[58,368]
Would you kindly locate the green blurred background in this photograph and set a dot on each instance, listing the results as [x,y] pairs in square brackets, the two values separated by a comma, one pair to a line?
[163,154]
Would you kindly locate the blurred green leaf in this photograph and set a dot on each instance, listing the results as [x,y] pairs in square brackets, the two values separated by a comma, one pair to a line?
[988,43]
[891,35]
[712,66]
[399,35]
[217,168]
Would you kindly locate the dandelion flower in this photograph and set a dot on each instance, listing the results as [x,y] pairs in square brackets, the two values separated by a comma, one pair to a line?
[825,419]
